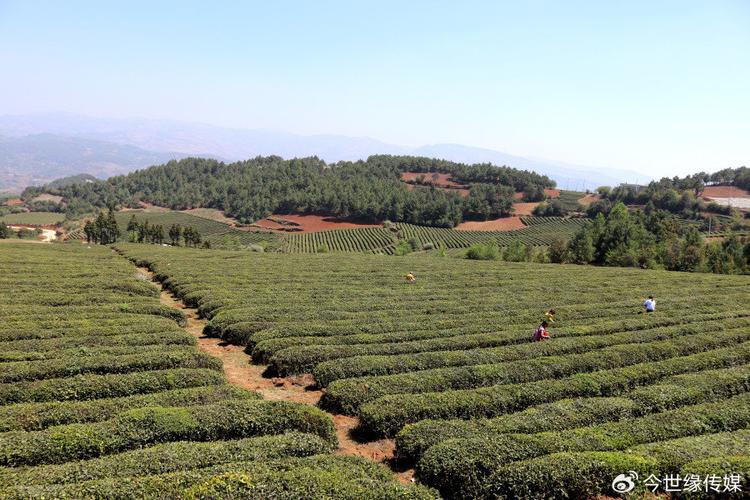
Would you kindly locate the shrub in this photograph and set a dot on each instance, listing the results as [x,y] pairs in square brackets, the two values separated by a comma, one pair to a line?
[318,476]
[590,474]
[143,426]
[387,415]
[38,416]
[721,467]
[483,251]
[348,395]
[570,342]
[462,465]
[704,386]
[75,365]
[88,386]
[170,457]
[414,439]
[402,248]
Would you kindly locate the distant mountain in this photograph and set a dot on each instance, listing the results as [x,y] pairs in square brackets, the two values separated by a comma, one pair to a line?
[41,158]
[567,176]
[235,144]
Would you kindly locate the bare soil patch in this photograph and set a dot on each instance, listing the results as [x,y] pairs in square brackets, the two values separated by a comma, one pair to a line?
[724,192]
[212,214]
[434,178]
[49,233]
[48,197]
[441,181]
[14,202]
[525,208]
[501,224]
[146,207]
[588,199]
[309,223]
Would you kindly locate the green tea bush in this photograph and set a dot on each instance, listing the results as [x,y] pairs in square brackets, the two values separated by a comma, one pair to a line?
[143,426]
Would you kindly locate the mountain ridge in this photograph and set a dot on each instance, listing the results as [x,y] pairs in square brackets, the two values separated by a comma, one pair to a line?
[174,139]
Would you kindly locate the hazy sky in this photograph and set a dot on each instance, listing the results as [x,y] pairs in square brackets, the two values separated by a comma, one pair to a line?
[662,87]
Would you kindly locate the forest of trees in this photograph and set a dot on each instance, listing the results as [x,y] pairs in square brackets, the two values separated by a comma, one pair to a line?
[369,191]
[649,239]
[678,195]
[652,239]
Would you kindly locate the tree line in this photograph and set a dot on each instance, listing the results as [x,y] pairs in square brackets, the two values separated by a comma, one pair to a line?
[652,239]
[649,239]
[678,195]
[104,230]
[369,191]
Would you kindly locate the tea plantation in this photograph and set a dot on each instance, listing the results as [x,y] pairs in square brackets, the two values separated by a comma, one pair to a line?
[104,395]
[446,366]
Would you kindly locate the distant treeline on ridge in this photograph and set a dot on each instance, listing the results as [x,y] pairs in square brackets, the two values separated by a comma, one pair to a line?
[369,190]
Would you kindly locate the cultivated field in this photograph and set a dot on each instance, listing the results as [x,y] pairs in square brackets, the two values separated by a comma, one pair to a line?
[446,365]
[104,395]
[537,231]
[33,218]
[218,234]
[534,231]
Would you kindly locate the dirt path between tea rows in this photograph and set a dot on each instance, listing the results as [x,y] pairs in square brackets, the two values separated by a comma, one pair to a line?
[240,371]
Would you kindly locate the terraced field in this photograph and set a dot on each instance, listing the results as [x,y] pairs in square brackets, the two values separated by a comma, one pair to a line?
[446,367]
[33,218]
[569,199]
[370,239]
[541,231]
[104,395]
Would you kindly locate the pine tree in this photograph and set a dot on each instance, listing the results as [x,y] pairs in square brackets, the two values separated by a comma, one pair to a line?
[132,228]
[113,230]
[88,230]
[175,233]
[158,232]
[143,230]
[100,229]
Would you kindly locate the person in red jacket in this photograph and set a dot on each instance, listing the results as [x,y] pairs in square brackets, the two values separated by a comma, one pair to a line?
[541,332]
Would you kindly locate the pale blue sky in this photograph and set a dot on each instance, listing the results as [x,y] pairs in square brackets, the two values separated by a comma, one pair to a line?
[662,87]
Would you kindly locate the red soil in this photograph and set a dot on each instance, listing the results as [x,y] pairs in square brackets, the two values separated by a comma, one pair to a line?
[724,192]
[501,224]
[525,208]
[442,180]
[588,199]
[14,202]
[310,223]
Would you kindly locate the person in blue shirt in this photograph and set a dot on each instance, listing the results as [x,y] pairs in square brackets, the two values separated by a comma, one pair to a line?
[650,304]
